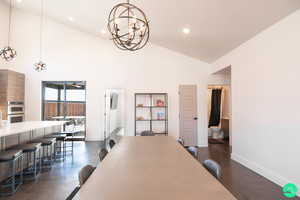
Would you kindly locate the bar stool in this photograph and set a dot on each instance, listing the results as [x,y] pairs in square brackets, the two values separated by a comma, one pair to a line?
[69,141]
[48,149]
[33,170]
[12,157]
[61,148]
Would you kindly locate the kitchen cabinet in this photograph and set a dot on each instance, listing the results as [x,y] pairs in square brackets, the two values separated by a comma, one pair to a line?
[12,88]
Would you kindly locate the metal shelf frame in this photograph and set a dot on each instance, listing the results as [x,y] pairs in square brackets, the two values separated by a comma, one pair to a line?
[151,107]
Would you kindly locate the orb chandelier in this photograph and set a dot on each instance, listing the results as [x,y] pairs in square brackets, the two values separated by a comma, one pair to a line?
[8,53]
[128,26]
[40,65]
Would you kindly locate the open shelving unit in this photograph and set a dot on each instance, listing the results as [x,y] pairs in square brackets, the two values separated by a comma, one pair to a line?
[151,113]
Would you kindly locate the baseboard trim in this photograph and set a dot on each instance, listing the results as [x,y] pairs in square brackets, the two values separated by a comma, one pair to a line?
[268,174]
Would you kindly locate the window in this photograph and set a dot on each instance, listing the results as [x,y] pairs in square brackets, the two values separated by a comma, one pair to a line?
[51,94]
[75,95]
[65,100]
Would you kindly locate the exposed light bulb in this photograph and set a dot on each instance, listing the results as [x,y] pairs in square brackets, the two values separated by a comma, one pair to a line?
[142,28]
[19,1]
[117,21]
[131,31]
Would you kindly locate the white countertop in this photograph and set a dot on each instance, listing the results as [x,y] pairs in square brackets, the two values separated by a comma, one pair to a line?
[21,127]
[69,117]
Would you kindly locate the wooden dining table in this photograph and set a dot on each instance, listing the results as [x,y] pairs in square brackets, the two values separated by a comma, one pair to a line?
[151,168]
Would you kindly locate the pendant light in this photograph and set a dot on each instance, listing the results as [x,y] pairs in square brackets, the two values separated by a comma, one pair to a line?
[40,65]
[128,26]
[8,53]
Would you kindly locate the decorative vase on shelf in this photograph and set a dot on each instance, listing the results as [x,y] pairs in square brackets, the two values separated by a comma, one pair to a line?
[160,103]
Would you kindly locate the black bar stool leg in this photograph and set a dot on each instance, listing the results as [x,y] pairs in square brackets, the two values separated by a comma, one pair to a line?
[34,164]
[13,174]
[21,170]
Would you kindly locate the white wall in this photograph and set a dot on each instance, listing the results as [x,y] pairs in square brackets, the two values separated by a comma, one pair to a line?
[73,55]
[265,101]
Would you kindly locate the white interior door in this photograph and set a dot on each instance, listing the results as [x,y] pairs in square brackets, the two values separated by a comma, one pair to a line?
[188,114]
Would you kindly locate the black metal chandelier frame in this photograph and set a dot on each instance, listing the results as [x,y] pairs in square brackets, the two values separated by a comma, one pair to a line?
[140,31]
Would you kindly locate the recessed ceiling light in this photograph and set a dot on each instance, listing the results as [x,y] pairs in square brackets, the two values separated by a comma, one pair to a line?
[186,30]
[71,19]
[19,1]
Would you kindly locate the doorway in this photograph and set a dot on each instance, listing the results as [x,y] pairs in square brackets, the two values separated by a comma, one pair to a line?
[114,113]
[65,101]
[219,107]
[188,115]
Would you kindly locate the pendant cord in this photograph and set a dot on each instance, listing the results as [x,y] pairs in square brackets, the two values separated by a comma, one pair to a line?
[41,29]
[128,14]
[9,22]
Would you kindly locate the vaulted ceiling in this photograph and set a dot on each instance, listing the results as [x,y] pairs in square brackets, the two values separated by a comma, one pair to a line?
[217,26]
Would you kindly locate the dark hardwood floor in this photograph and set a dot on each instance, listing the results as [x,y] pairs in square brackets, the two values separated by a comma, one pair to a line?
[243,183]
[58,183]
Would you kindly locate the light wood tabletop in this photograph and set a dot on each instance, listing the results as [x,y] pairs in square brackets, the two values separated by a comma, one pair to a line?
[151,168]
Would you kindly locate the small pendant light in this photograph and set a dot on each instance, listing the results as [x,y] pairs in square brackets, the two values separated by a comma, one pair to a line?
[8,53]
[40,65]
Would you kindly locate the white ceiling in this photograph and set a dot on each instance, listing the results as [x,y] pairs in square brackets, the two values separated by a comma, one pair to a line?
[217,26]
[224,71]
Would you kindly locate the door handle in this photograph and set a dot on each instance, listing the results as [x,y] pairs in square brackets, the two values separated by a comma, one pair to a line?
[195,118]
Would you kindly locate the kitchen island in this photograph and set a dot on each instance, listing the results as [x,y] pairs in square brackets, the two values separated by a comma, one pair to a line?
[24,132]
[17,132]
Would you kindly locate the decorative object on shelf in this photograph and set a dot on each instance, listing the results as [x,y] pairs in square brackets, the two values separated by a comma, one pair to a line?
[160,115]
[140,105]
[40,65]
[155,117]
[128,26]
[160,102]
[140,118]
[8,53]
